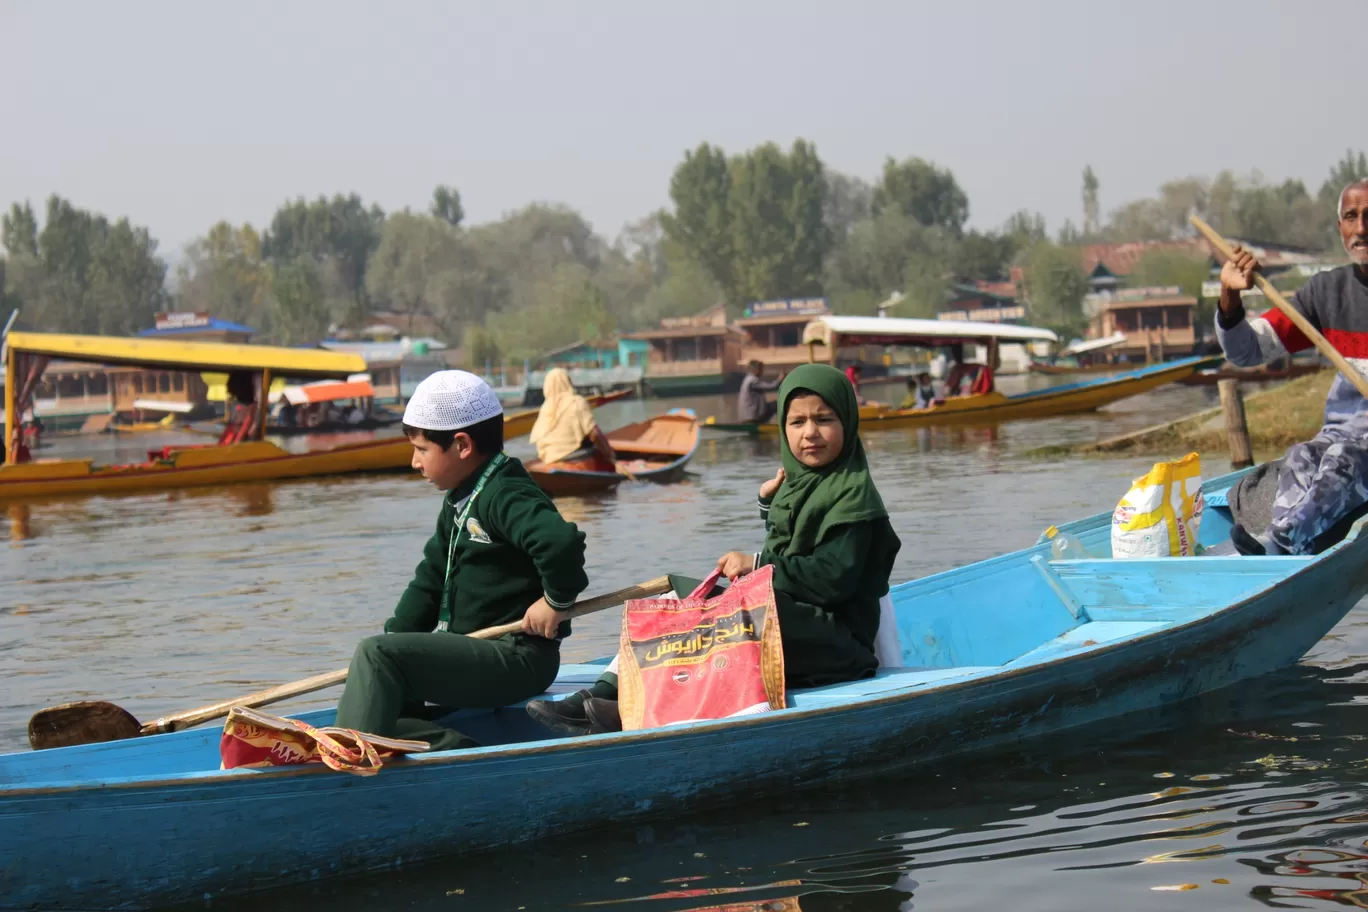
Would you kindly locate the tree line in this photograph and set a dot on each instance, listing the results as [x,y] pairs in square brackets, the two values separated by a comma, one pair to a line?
[761,224]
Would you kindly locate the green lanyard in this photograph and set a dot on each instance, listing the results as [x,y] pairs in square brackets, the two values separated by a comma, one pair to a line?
[444,623]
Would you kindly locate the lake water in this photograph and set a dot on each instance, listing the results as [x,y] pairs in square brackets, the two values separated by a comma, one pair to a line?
[166,601]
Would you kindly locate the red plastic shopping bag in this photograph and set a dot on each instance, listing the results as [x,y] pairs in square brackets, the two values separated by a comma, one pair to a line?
[695,658]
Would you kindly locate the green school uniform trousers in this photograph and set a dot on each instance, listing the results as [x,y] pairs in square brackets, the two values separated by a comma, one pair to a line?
[512,549]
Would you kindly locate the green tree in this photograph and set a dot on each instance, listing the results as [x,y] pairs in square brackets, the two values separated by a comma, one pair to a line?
[922,192]
[1091,211]
[686,289]
[700,224]
[847,202]
[301,313]
[1281,214]
[1055,286]
[424,267]
[875,256]
[779,237]
[1343,173]
[535,240]
[340,233]
[1168,266]
[480,348]
[80,273]
[555,310]
[446,205]
[924,285]
[19,230]
[1025,228]
[889,253]
[985,256]
[127,280]
[225,274]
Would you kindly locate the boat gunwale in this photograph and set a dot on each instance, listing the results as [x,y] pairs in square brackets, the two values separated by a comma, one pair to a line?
[893,415]
[495,753]
[149,469]
[215,357]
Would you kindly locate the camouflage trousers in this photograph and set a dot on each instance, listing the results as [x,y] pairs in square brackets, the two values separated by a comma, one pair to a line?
[1320,482]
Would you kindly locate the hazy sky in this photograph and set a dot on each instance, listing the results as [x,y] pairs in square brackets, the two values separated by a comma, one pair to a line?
[178,114]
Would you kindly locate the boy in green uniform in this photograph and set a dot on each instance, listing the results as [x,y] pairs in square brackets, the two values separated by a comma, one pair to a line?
[501,552]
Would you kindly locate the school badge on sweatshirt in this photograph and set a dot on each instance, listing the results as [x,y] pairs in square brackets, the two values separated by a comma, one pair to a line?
[477,532]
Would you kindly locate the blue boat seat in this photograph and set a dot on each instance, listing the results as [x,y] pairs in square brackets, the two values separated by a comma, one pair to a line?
[1085,637]
[885,679]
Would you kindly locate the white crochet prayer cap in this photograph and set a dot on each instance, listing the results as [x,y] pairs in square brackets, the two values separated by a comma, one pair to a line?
[451,400]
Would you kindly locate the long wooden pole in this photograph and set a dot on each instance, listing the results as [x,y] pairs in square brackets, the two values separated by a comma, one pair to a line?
[11,419]
[263,405]
[1237,428]
[1341,364]
[281,692]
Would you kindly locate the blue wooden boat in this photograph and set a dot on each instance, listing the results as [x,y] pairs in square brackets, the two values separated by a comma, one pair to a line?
[998,651]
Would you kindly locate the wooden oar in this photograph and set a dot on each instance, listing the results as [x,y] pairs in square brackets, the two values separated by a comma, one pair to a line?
[1342,365]
[89,722]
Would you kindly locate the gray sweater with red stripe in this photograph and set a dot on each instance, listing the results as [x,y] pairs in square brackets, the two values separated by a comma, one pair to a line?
[1336,304]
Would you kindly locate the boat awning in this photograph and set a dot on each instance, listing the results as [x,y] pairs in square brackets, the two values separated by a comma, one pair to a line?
[159,405]
[193,356]
[328,391]
[840,331]
[1079,348]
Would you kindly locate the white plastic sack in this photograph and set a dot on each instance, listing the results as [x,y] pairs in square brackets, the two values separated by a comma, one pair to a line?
[1161,513]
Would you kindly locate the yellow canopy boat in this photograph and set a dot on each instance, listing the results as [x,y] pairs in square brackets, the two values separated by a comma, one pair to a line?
[831,333]
[249,459]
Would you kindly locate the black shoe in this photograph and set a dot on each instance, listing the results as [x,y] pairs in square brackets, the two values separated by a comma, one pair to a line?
[603,715]
[566,717]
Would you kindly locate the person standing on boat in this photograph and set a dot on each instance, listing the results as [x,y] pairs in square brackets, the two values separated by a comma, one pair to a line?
[828,537]
[854,373]
[239,410]
[966,378]
[1322,480]
[501,552]
[566,431]
[753,405]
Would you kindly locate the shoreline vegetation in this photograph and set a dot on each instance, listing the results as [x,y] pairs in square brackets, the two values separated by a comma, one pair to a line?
[1278,417]
[739,226]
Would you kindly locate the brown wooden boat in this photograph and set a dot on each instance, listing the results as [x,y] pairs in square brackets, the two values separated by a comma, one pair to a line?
[1039,368]
[656,450]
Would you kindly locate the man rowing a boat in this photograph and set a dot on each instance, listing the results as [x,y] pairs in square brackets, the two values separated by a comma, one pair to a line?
[1321,481]
[752,404]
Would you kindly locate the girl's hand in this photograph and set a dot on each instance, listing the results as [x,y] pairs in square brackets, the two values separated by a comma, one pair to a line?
[769,488]
[736,563]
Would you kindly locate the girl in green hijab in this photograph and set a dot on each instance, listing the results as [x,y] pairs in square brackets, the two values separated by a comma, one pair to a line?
[827,536]
[827,533]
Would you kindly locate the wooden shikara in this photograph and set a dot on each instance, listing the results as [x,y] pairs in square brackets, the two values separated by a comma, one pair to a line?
[191,465]
[991,408]
[656,450]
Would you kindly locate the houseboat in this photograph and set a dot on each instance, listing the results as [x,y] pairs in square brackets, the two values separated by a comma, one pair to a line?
[696,355]
[69,393]
[774,331]
[1157,323]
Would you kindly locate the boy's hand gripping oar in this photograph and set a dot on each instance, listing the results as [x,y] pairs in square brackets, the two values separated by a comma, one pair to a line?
[1341,363]
[93,721]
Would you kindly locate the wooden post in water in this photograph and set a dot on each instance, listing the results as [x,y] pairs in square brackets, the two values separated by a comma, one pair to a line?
[1233,411]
